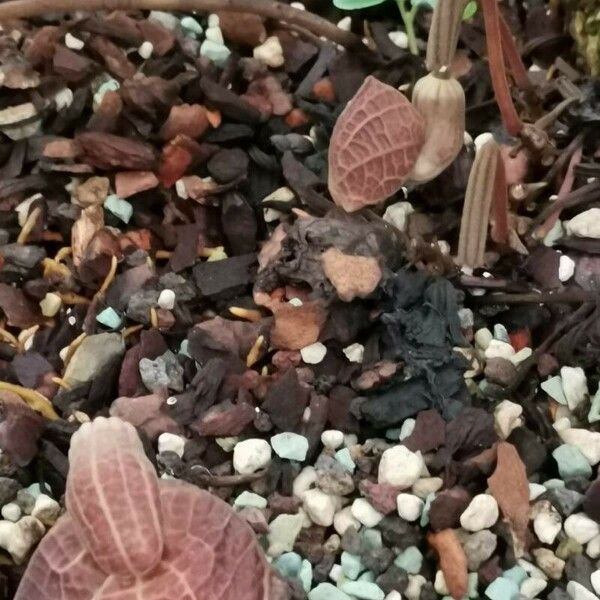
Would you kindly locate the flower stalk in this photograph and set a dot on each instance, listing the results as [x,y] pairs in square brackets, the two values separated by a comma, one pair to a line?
[408,17]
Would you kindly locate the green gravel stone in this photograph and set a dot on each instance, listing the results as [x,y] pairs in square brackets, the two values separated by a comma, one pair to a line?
[327,591]
[517,574]
[109,318]
[372,538]
[250,499]
[112,85]
[393,434]
[217,53]
[344,457]
[305,575]
[352,566]
[118,207]
[290,445]
[411,560]
[191,26]
[288,564]
[363,590]
[502,589]
[424,521]
[367,576]
[553,387]
[594,414]
[571,462]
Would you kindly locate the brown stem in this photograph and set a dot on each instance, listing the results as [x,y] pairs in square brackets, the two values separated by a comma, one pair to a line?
[499,217]
[513,57]
[510,117]
[22,9]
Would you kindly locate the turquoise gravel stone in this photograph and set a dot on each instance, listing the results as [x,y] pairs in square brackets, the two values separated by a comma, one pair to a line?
[502,589]
[363,590]
[517,574]
[327,591]
[411,560]
[344,457]
[305,575]
[109,318]
[352,566]
[288,564]
[250,499]
[118,207]
[290,445]
[571,462]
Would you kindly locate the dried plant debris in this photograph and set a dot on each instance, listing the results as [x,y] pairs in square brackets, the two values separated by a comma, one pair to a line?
[295,305]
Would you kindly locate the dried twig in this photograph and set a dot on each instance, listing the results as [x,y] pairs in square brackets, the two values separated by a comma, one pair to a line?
[21,9]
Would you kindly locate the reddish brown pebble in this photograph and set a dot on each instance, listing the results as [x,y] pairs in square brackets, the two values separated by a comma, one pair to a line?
[128,183]
[243,28]
[187,119]
[323,90]
[173,164]
[296,118]
[453,561]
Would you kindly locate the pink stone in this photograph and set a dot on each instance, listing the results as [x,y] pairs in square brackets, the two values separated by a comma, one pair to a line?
[128,535]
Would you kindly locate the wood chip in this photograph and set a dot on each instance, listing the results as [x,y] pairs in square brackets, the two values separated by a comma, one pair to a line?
[453,561]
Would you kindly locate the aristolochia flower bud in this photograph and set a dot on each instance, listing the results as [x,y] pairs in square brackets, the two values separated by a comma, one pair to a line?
[441,103]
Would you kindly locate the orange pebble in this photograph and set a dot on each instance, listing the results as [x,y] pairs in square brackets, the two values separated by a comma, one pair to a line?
[296,118]
[323,90]
[214,117]
[520,339]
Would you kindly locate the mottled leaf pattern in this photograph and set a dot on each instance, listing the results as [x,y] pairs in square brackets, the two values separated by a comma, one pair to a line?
[112,495]
[374,146]
[207,552]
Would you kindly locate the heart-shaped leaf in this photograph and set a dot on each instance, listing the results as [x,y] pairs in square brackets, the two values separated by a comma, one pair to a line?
[374,146]
[356,4]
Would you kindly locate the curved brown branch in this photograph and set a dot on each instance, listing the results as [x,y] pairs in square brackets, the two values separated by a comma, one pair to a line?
[270,9]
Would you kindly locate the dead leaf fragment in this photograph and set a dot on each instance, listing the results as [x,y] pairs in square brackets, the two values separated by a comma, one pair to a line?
[92,192]
[352,276]
[297,326]
[107,151]
[128,183]
[453,561]
[19,310]
[510,488]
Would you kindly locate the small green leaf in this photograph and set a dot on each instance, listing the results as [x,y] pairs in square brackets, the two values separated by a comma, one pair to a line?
[356,4]
[425,3]
[470,10]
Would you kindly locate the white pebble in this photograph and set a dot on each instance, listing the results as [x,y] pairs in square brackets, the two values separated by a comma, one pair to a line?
[482,139]
[579,592]
[46,509]
[332,438]
[251,455]
[588,442]
[507,416]
[314,353]
[566,267]
[320,507]
[397,214]
[63,98]
[335,573]
[73,43]
[393,595]
[532,586]
[170,442]
[354,353]
[585,224]
[270,52]
[413,589]
[499,349]
[344,519]
[345,24]
[593,547]
[400,467]
[20,537]
[574,383]
[399,38]
[483,337]
[214,34]
[306,479]
[521,355]
[581,528]
[213,20]
[363,511]
[298,5]
[407,428]
[166,299]
[145,50]
[295,301]
[439,584]
[595,581]
[409,506]
[547,522]
[427,485]
[536,490]
[11,512]
[50,304]
[481,513]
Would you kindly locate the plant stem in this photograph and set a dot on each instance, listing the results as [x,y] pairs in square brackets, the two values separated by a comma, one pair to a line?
[270,9]
[408,16]
[510,117]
